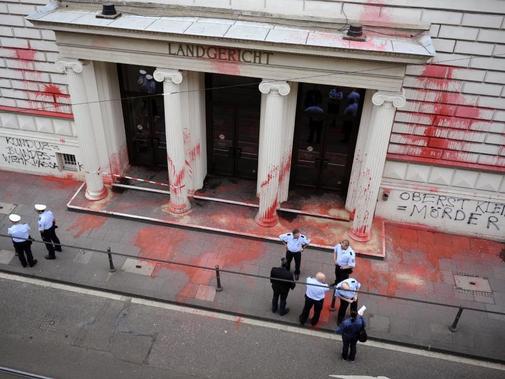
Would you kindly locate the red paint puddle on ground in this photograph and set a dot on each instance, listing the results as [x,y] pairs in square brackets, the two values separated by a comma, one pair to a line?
[86,223]
[67,181]
[155,242]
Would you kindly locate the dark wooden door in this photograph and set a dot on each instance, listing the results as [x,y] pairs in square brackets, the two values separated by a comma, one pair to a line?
[143,111]
[326,128]
[233,117]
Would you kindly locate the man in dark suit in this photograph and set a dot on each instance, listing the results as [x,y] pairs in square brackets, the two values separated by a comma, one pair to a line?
[281,288]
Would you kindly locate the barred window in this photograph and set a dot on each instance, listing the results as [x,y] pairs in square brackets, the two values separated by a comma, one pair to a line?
[67,162]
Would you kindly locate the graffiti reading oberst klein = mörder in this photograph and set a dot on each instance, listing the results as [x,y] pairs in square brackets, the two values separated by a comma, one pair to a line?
[27,152]
[455,209]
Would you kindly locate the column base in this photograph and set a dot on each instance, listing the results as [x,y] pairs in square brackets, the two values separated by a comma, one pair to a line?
[95,196]
[179,209]
[267,222]
[360,235]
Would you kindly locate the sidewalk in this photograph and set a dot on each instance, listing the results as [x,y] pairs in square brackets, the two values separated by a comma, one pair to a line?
[419,264]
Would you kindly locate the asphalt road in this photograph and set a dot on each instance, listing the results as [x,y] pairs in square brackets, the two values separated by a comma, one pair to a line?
[71,333]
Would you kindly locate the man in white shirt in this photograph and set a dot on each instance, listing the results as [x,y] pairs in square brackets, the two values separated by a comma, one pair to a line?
[345,261]
[314,297]
[295,243]
[47,229]
[347,292]
[20,234]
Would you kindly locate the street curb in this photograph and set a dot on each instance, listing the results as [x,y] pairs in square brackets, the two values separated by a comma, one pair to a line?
[254,317]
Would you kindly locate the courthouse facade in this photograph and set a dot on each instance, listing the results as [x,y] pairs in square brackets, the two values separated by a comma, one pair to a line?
[398,107]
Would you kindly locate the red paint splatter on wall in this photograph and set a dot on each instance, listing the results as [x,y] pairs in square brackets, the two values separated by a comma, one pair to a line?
[84,224]
[443,126]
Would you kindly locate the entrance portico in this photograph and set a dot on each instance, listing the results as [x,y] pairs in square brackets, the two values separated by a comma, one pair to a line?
[280,64]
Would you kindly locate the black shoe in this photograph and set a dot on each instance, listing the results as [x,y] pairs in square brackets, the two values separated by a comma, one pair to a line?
[274,310]
[286,311]
[302,323]
[49,257]
[58,250]
[34,263]
[297,276]
[344,357]
[24,266]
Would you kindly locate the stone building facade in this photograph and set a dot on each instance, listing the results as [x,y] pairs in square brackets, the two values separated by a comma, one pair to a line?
[427,145]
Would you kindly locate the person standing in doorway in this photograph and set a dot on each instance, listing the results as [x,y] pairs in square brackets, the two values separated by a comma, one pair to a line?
[350,329]
[20,234]
[295,243]
[281,288]
[345,261]
[314,297]
[347,291]
[47,228]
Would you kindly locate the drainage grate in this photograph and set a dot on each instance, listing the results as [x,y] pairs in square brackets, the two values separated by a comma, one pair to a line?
[472,283]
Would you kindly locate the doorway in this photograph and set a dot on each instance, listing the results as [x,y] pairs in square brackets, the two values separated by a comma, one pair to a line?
[327,122]
[233,106]
[144,118]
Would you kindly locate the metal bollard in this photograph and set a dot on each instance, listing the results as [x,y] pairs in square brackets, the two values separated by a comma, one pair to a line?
[219,288]
[332,306]
[111,263]
[454,325]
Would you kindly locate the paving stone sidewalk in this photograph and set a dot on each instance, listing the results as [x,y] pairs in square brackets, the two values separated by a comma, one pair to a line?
[419,264]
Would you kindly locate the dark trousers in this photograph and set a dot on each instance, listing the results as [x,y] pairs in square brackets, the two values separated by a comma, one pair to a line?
[341,274]
[22,249]
[51,241]
[343,309]
[275,301]
[349,343]
[318,306]
[298,260]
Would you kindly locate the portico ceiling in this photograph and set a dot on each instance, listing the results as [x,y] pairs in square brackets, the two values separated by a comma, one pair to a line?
[239,33]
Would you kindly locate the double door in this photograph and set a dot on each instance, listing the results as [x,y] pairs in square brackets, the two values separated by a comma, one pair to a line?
[326,128]
[233,118]
[143,111]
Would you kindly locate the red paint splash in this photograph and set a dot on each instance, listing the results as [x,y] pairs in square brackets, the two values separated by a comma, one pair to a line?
[67,181]
[270,176]
[445,132]
[227,68]
[156,242]
[25,54]
[85,224]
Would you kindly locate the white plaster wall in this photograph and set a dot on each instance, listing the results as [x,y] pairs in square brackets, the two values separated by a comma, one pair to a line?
[446,199]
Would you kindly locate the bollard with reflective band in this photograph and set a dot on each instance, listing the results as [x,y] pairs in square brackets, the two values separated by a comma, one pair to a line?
[333,299]
[111,263]
[218,280]
[454,325]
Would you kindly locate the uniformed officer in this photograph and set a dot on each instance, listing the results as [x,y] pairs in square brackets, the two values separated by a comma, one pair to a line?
[347,292]
[20,234]
[47,228]
[281,288]
[295,243]
[314,297]
[345,260]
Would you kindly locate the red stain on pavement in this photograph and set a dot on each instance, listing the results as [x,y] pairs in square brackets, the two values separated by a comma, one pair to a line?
[85,224]
[68,181]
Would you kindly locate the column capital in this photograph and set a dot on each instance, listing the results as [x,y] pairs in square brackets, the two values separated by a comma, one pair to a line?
[162,74]
[396,98]
[73,64]
[281,87]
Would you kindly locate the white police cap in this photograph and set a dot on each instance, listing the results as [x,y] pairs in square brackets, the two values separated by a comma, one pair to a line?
[40,207]
[14,217]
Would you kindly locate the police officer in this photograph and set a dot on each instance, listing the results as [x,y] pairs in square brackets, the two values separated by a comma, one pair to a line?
[345,260]
[47,228]
[20,234]
[281,288]
[346,290]
[295,243]
[314,297]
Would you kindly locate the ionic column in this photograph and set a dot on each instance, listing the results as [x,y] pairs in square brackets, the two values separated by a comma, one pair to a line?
[271,139]
[374,158]
[95,189]
[174,132]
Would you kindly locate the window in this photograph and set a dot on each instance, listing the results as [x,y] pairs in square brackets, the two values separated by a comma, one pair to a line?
[67,162]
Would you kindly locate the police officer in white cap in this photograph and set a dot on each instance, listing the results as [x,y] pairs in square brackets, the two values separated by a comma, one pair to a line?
[47,228]
[20,234]
[295,243]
